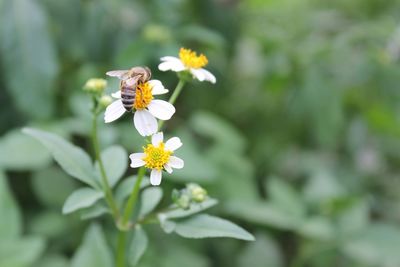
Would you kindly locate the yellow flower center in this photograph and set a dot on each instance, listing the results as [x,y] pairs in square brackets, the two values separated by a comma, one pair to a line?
[143,96]
[191,60]
[156,156]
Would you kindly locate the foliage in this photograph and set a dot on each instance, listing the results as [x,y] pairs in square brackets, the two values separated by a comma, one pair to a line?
[298,140]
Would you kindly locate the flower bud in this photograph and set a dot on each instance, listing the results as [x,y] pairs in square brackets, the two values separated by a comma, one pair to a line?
[95,85]
[181,198]
[198,194]
[104,101]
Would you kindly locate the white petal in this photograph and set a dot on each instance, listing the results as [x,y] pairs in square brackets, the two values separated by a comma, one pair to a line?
[137,159]
[168,168]
[176,162]
[161,109]
[117,94]
[208,76]
[173,144]
[198,74]
[171,63]
[145,123]
[169,58]
[155,177]
[157,87]
[114,111]
[157,138]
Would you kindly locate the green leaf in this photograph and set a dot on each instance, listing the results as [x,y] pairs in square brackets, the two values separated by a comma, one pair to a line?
[205,226]
[10,222]
[21,152]
[52,186]
[28,57]
[263,213]
[223,133]
[194,208]
[94,251]
[52,260]
[198,168]
[354,219]
[126,186]
[285,197]
[81,198]
[20,253]
[318,228]
[138,245]
[149,199]
[94,211]
[49,224]
[71,158]
[376,245]
[261,253]
[115,160]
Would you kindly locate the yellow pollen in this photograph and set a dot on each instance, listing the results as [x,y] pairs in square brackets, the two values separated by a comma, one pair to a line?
[143,96]
[191,60]
[156,156]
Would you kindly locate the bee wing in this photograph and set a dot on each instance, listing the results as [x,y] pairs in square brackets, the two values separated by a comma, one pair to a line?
[120,74]
[132,81]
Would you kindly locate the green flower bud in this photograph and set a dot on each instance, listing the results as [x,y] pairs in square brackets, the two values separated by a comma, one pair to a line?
[198,194]
[181,198]
[104,101]
[95,85]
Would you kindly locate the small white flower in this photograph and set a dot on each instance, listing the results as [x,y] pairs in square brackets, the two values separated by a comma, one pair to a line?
[146,109]
[188,61]
[158,156]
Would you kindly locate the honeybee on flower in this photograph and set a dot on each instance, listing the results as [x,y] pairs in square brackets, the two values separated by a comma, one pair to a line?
[188,61]
[136,95]
[158,156]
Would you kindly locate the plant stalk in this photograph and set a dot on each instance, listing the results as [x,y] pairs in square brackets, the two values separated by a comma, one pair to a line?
[174,96]
[106,187]
[130,205]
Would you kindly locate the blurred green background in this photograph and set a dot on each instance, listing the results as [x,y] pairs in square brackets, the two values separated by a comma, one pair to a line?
[299,139]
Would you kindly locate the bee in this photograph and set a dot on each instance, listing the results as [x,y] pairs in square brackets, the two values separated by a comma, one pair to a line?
[130,79]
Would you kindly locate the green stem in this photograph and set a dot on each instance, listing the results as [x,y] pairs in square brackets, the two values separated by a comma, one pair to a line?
[130,205]
[106,187]
[174,96]
[124,227]
[120,257]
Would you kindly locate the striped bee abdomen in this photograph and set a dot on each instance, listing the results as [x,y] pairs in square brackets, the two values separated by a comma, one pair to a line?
[128,97]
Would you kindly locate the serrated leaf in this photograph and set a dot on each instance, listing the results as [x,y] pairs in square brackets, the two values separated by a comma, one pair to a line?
[205,226]
[149,199]
[94,251]
[28,57]
[138,245]
[10,222]
[194,208]
[22,252]
[71,158]
[81,198]
[115,160]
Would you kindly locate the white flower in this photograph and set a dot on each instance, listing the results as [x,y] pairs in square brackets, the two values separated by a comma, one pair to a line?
[146,109]
[188,61]
[158,156]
